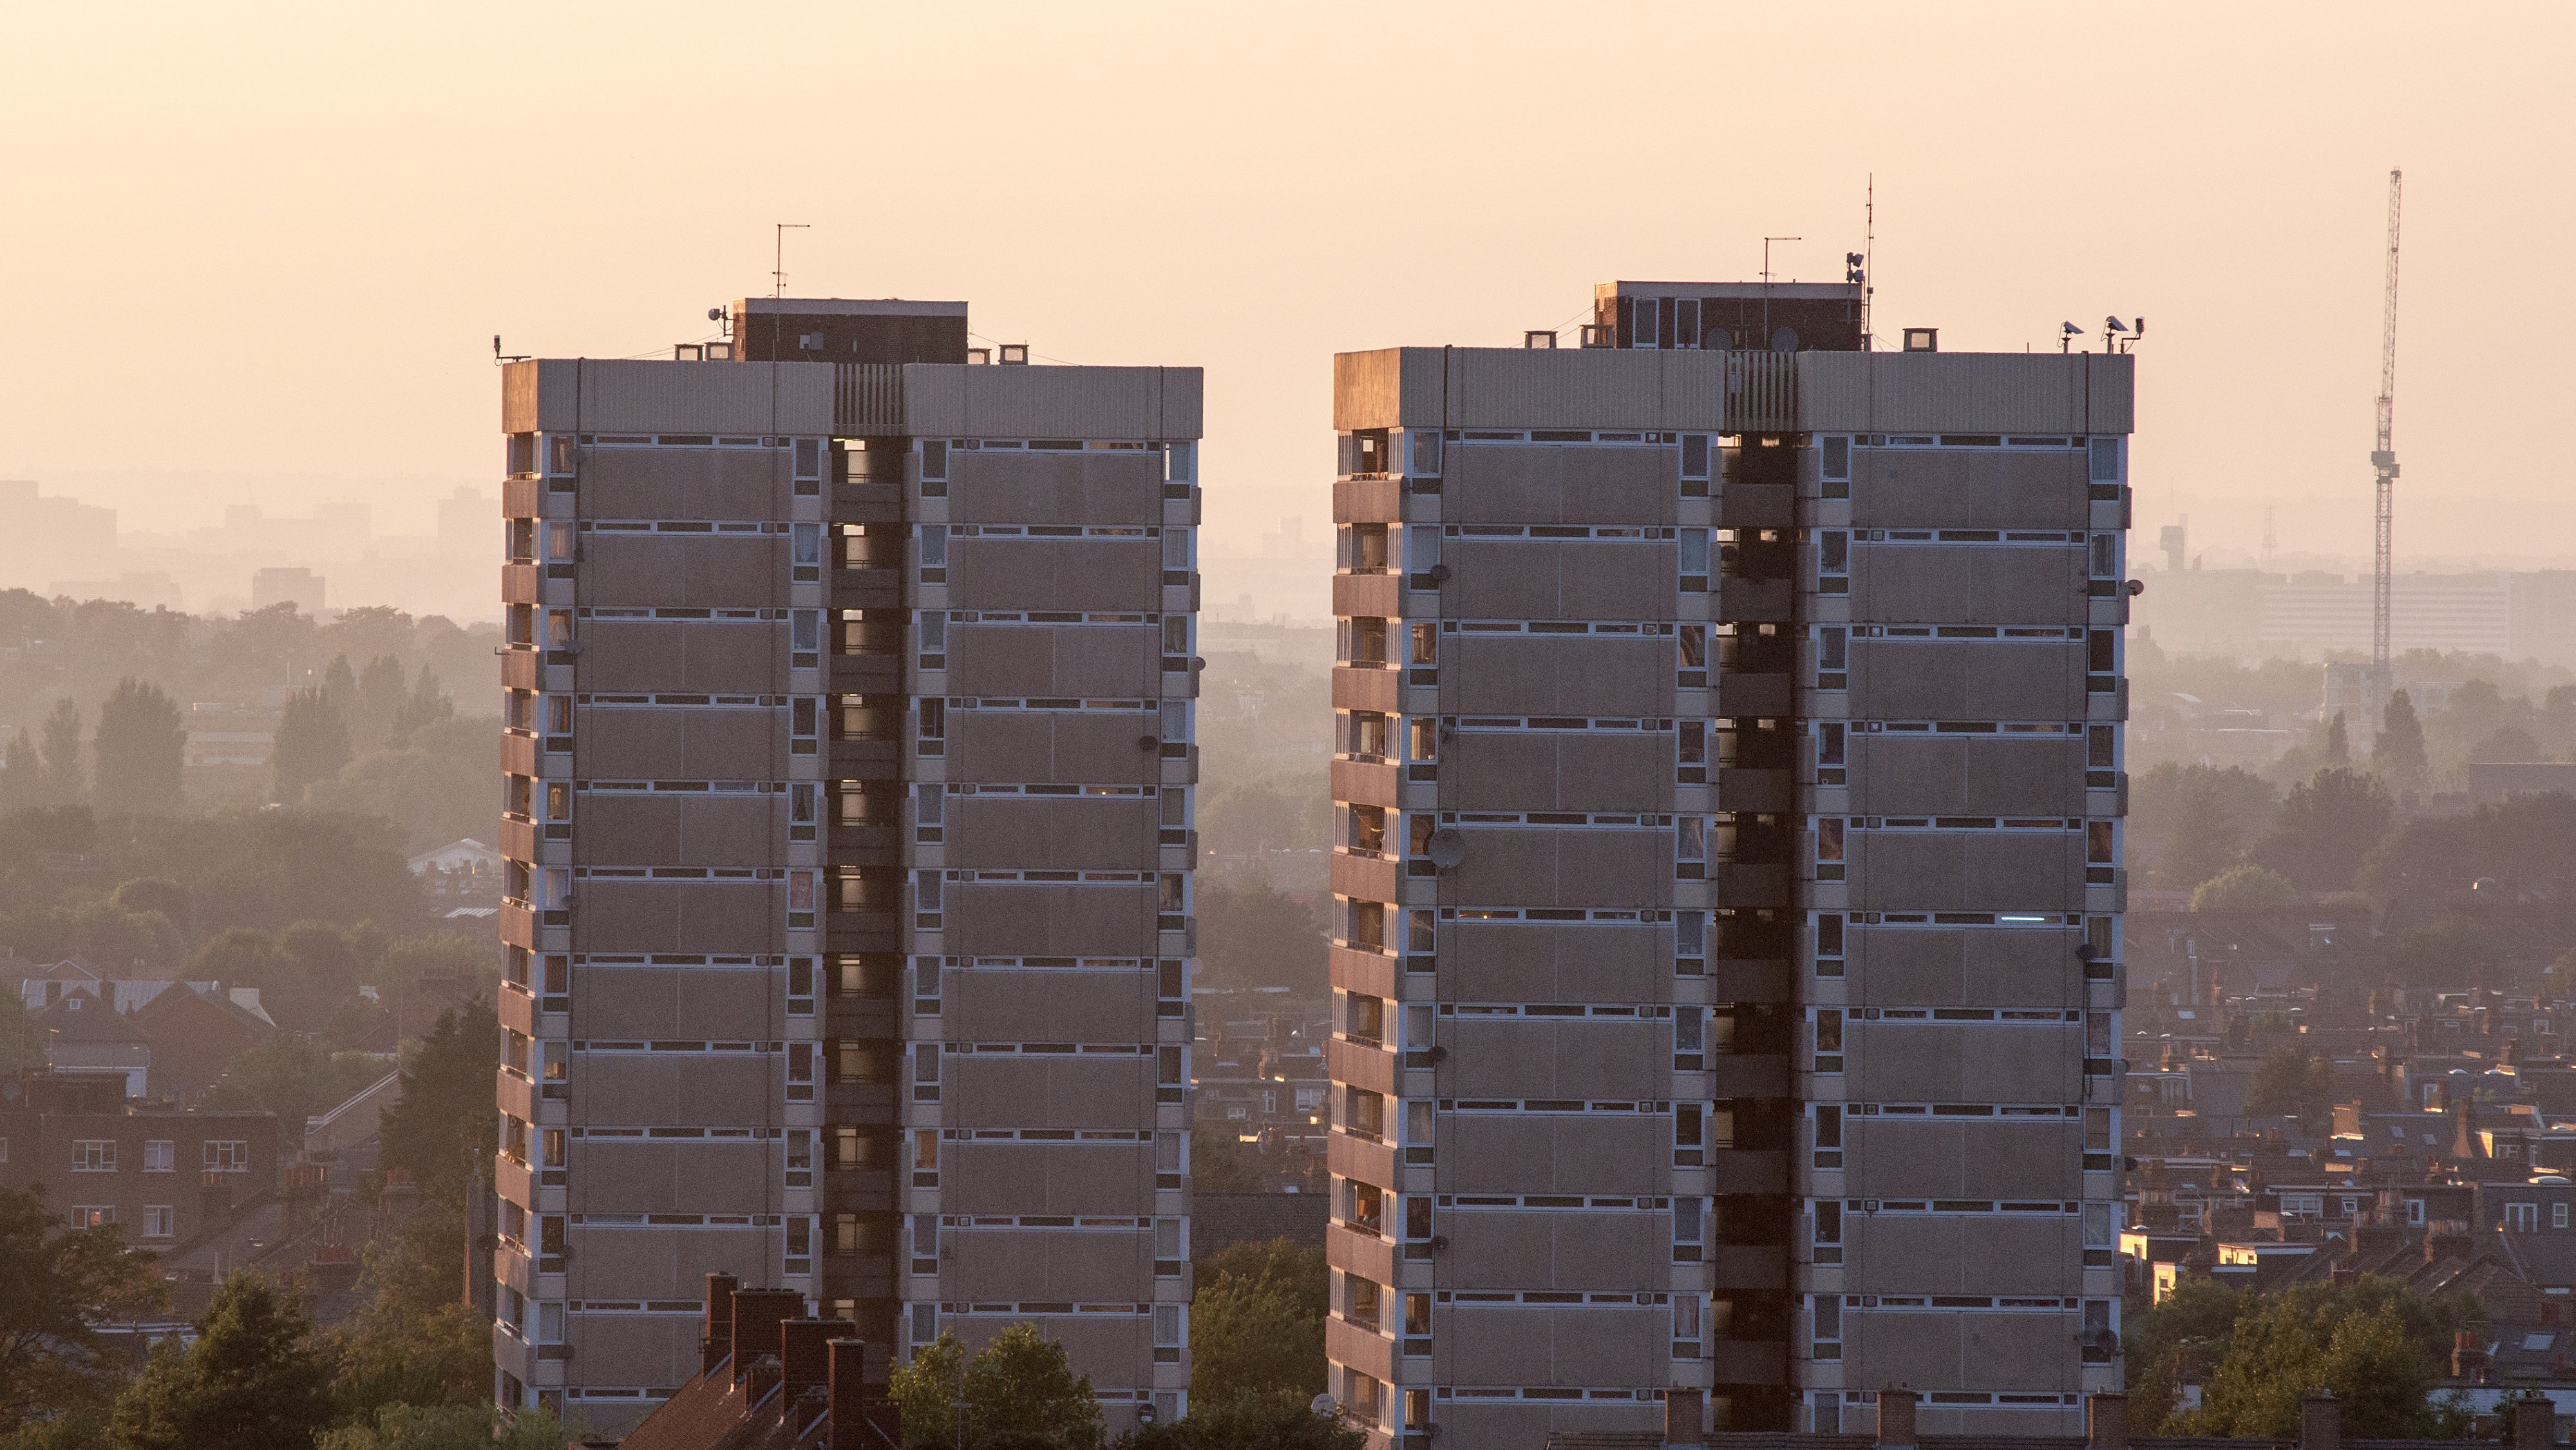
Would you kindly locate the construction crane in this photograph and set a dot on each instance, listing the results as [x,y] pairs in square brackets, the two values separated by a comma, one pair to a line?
[2383,460]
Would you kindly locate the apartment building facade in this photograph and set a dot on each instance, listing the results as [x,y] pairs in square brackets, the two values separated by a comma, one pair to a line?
[158,1175]
[1729,778]
[849,767]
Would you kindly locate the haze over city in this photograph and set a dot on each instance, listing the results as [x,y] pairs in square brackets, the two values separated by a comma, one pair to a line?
[267,251]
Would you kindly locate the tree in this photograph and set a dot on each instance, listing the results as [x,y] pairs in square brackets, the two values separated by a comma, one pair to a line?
[157,894]
[2328,824]
[449,1427]
[415,1343]
[380,701]
[253,1381]
[1020,1393]
[2452,954]
[22,784]
[292,1077]
[2338,747]
[1278,1420]
[2293,1082]
[1257,1327]
[2399,753]
[62,775]
[1219,1163]
[53,1287]
[141,745]
[2194,1325]
[428,705]
[2246,888]
[2370,1344]
[239,956]
[2506,743]
[1251,935]
[2526,844]
[441,1128]
[2193,821]
[312,743]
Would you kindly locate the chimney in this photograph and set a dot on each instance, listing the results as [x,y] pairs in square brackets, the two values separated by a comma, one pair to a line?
[849,1391]
[805,1346]
[757,1313]
[1896,1420]
[2320,1423]
[764,1377]
[2469,1357]
[718,1342]
[2106,1420]
[2535,1421]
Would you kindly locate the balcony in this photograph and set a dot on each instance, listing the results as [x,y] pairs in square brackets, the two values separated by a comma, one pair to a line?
[1753,601]
[1753,696]
[1748,1266]
[1748,1075]
[1747,1361]
[1751,790]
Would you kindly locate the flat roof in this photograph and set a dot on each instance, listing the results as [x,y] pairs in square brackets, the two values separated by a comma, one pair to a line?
[848,307]
[1820,291]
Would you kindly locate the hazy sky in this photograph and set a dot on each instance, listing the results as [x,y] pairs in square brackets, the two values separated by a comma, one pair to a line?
[256,250]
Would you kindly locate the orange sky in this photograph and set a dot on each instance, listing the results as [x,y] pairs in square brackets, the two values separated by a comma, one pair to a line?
[260,252]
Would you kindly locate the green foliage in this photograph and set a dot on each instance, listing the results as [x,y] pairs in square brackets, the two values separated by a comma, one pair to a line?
[1019,1390]
[22,782]
[2326,826]
[21,1046]
[1257,1324]
[448,1427]
[62,775]
[415,1343]
[435,777]
[2527,844]
[53,1286]
[1277,1420]
[2338,746]
[2193,821]
[2294,1082]
[2507,743]
[2399,752]
[252,1381]
[312,742]
[2246,888]
[441,1131]
[1251,935]
[2450,955]
[2377,1345]
[291,1076]
[1220,1163]
[142,746]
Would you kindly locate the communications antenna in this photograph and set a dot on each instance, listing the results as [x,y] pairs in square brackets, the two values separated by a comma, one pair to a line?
[2383,459]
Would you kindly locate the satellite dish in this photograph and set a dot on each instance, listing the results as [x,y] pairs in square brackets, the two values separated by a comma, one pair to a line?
[715,314]
[2070,329]
[2115,324]
[1322,1405]
[1448,848]
[1785,340]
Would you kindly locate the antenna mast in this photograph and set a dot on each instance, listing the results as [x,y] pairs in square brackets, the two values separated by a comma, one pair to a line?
[2383,459]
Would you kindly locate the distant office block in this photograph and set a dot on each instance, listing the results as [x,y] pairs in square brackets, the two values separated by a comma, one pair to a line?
[300,587]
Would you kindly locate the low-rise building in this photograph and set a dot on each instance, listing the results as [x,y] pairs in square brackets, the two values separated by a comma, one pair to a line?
[160,1174]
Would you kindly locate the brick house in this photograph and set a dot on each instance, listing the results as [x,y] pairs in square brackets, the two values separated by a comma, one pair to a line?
[160,1174]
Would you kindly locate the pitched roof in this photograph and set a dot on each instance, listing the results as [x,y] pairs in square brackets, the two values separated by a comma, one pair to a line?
[82,1017]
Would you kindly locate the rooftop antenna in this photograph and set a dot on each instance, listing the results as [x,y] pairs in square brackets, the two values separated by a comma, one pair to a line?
[778,265]
[1868,247]
[1766,283]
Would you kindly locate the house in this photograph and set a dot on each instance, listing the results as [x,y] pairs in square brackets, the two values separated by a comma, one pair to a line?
[161,1175]
[770,1378]
[197,1031]
[83,1033]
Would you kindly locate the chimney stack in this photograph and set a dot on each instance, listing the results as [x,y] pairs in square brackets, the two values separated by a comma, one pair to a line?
[757,1315]
[718,1342]
[1896,1420]
[806,1349]
[764,1377]
[849,1391]
[2320,1423]
[2468,1357]
[2535,1421]
[2106,1420]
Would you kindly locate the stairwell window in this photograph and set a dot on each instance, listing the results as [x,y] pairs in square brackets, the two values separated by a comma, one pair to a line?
[94,1155]
[226,1155]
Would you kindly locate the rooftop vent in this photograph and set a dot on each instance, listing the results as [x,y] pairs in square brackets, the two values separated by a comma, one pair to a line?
[1015,352]
[1922,339]
[1600,334]
[1539,337]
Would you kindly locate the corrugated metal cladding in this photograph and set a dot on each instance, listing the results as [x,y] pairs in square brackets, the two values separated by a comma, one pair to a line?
[590,395]
[992,401]
[868,399]
[1985,392]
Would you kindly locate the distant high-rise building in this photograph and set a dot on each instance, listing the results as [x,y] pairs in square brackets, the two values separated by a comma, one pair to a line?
[300,587]
[1729,789]
[850,761]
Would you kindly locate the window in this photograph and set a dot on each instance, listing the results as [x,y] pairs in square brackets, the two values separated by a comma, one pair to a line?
[94,1155]
[226,1155]
[2558,1215]
[92,1215]
[2522,1217]
[160,1221]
